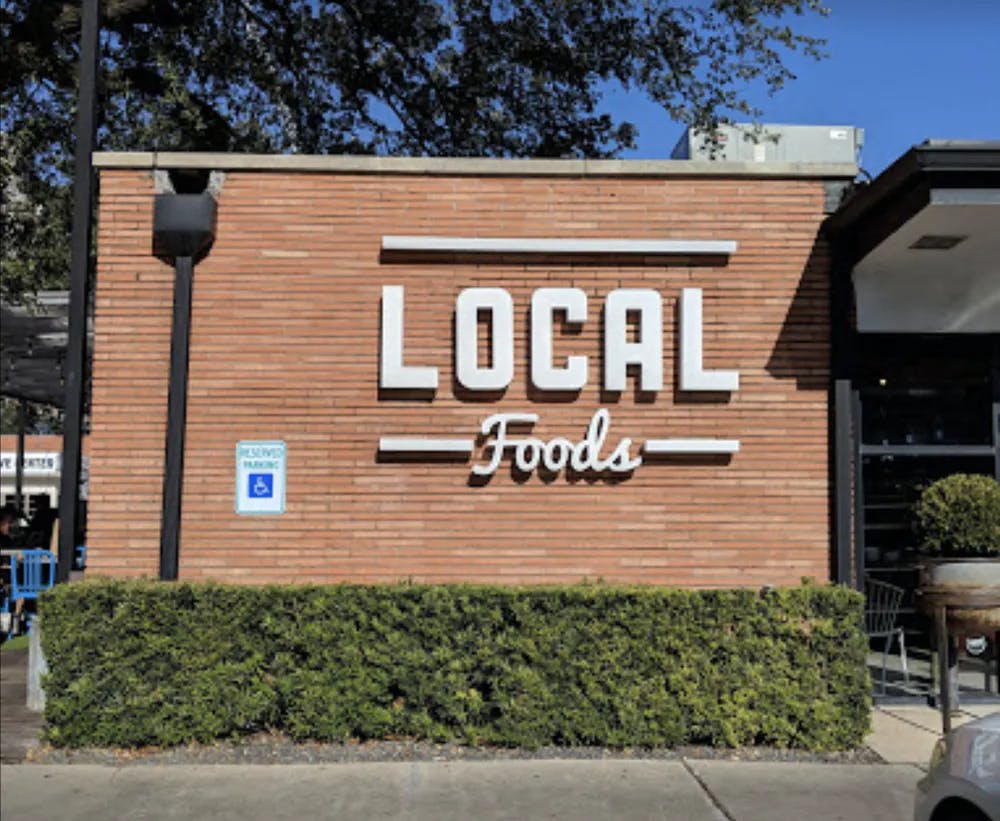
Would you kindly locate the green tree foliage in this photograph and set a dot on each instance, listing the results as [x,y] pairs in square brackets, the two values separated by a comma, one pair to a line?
[502,78]
[39,419]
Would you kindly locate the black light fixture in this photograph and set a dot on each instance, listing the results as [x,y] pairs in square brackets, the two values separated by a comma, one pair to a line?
[183,233]
[183,226]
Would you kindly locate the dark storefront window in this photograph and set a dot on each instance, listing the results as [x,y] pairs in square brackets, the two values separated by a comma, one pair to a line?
[941,398]
[928,408]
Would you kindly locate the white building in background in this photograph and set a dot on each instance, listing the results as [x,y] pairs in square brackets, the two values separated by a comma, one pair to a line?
[42,469]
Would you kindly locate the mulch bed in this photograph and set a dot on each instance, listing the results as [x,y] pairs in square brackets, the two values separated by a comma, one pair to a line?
[265,748]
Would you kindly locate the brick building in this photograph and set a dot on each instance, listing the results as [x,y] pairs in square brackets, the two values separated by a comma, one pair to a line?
[373,314]
[285,345]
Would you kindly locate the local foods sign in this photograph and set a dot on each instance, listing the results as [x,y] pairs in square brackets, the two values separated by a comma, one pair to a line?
[504,433]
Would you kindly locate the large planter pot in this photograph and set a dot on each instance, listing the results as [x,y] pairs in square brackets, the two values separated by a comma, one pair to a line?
[968,587]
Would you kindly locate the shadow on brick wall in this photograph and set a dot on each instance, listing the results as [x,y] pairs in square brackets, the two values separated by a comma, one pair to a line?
[802,349]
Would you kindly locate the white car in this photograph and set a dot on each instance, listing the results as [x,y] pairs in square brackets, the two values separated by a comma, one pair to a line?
[963,783]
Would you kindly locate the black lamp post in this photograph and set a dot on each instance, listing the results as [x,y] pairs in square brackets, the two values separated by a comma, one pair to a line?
[75,362]
[183,232]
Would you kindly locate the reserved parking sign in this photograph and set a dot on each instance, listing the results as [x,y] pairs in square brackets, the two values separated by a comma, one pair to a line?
[260,477]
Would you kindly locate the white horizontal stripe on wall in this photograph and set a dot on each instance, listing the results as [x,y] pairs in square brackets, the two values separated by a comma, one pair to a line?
[406,444]
[681,446]
[524,245]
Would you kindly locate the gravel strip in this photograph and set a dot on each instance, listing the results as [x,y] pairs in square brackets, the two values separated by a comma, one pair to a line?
[276,749]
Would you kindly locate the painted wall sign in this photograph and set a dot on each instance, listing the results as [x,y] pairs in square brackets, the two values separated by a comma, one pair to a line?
[529,453]
[260,477]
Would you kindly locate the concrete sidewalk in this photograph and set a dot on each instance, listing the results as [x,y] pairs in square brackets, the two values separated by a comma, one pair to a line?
[484,791]
[19,727]
[906,735]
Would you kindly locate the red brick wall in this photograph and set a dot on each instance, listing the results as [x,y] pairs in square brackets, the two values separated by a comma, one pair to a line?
[33,443]
[285,345]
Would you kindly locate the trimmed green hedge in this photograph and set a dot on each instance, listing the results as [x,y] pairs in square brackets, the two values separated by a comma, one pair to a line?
[140,662]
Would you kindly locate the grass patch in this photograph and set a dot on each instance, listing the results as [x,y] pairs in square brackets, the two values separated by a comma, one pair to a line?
[16,643]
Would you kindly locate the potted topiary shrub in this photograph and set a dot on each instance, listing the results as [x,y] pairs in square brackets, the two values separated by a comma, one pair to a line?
[959,521]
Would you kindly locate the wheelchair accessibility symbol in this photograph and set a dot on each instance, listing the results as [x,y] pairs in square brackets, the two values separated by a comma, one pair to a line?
[260,485]
[260,477]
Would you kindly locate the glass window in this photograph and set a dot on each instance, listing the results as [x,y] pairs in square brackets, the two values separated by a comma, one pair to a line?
[936,392]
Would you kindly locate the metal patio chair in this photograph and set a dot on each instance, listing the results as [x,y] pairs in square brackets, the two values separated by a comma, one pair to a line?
[31,572]
[882,602]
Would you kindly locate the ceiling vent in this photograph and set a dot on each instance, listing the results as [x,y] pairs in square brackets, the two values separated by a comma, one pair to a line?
[937,242]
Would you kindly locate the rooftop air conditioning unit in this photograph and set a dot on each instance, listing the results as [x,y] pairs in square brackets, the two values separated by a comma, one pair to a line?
[744,142]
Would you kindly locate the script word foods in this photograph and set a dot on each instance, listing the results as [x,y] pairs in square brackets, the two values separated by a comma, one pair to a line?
[555,454]
[620,351]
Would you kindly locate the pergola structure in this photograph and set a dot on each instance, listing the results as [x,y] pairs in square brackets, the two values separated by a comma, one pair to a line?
[33,340]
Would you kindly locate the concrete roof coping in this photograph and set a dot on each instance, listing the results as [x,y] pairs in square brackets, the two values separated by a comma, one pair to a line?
[467,166]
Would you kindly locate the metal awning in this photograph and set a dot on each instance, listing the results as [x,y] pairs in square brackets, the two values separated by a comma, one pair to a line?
[33,342]
[923,241]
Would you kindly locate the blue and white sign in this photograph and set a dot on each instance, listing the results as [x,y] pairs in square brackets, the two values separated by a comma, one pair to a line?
[260,477]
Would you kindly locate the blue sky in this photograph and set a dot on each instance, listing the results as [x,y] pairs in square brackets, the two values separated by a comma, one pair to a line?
[904,70]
